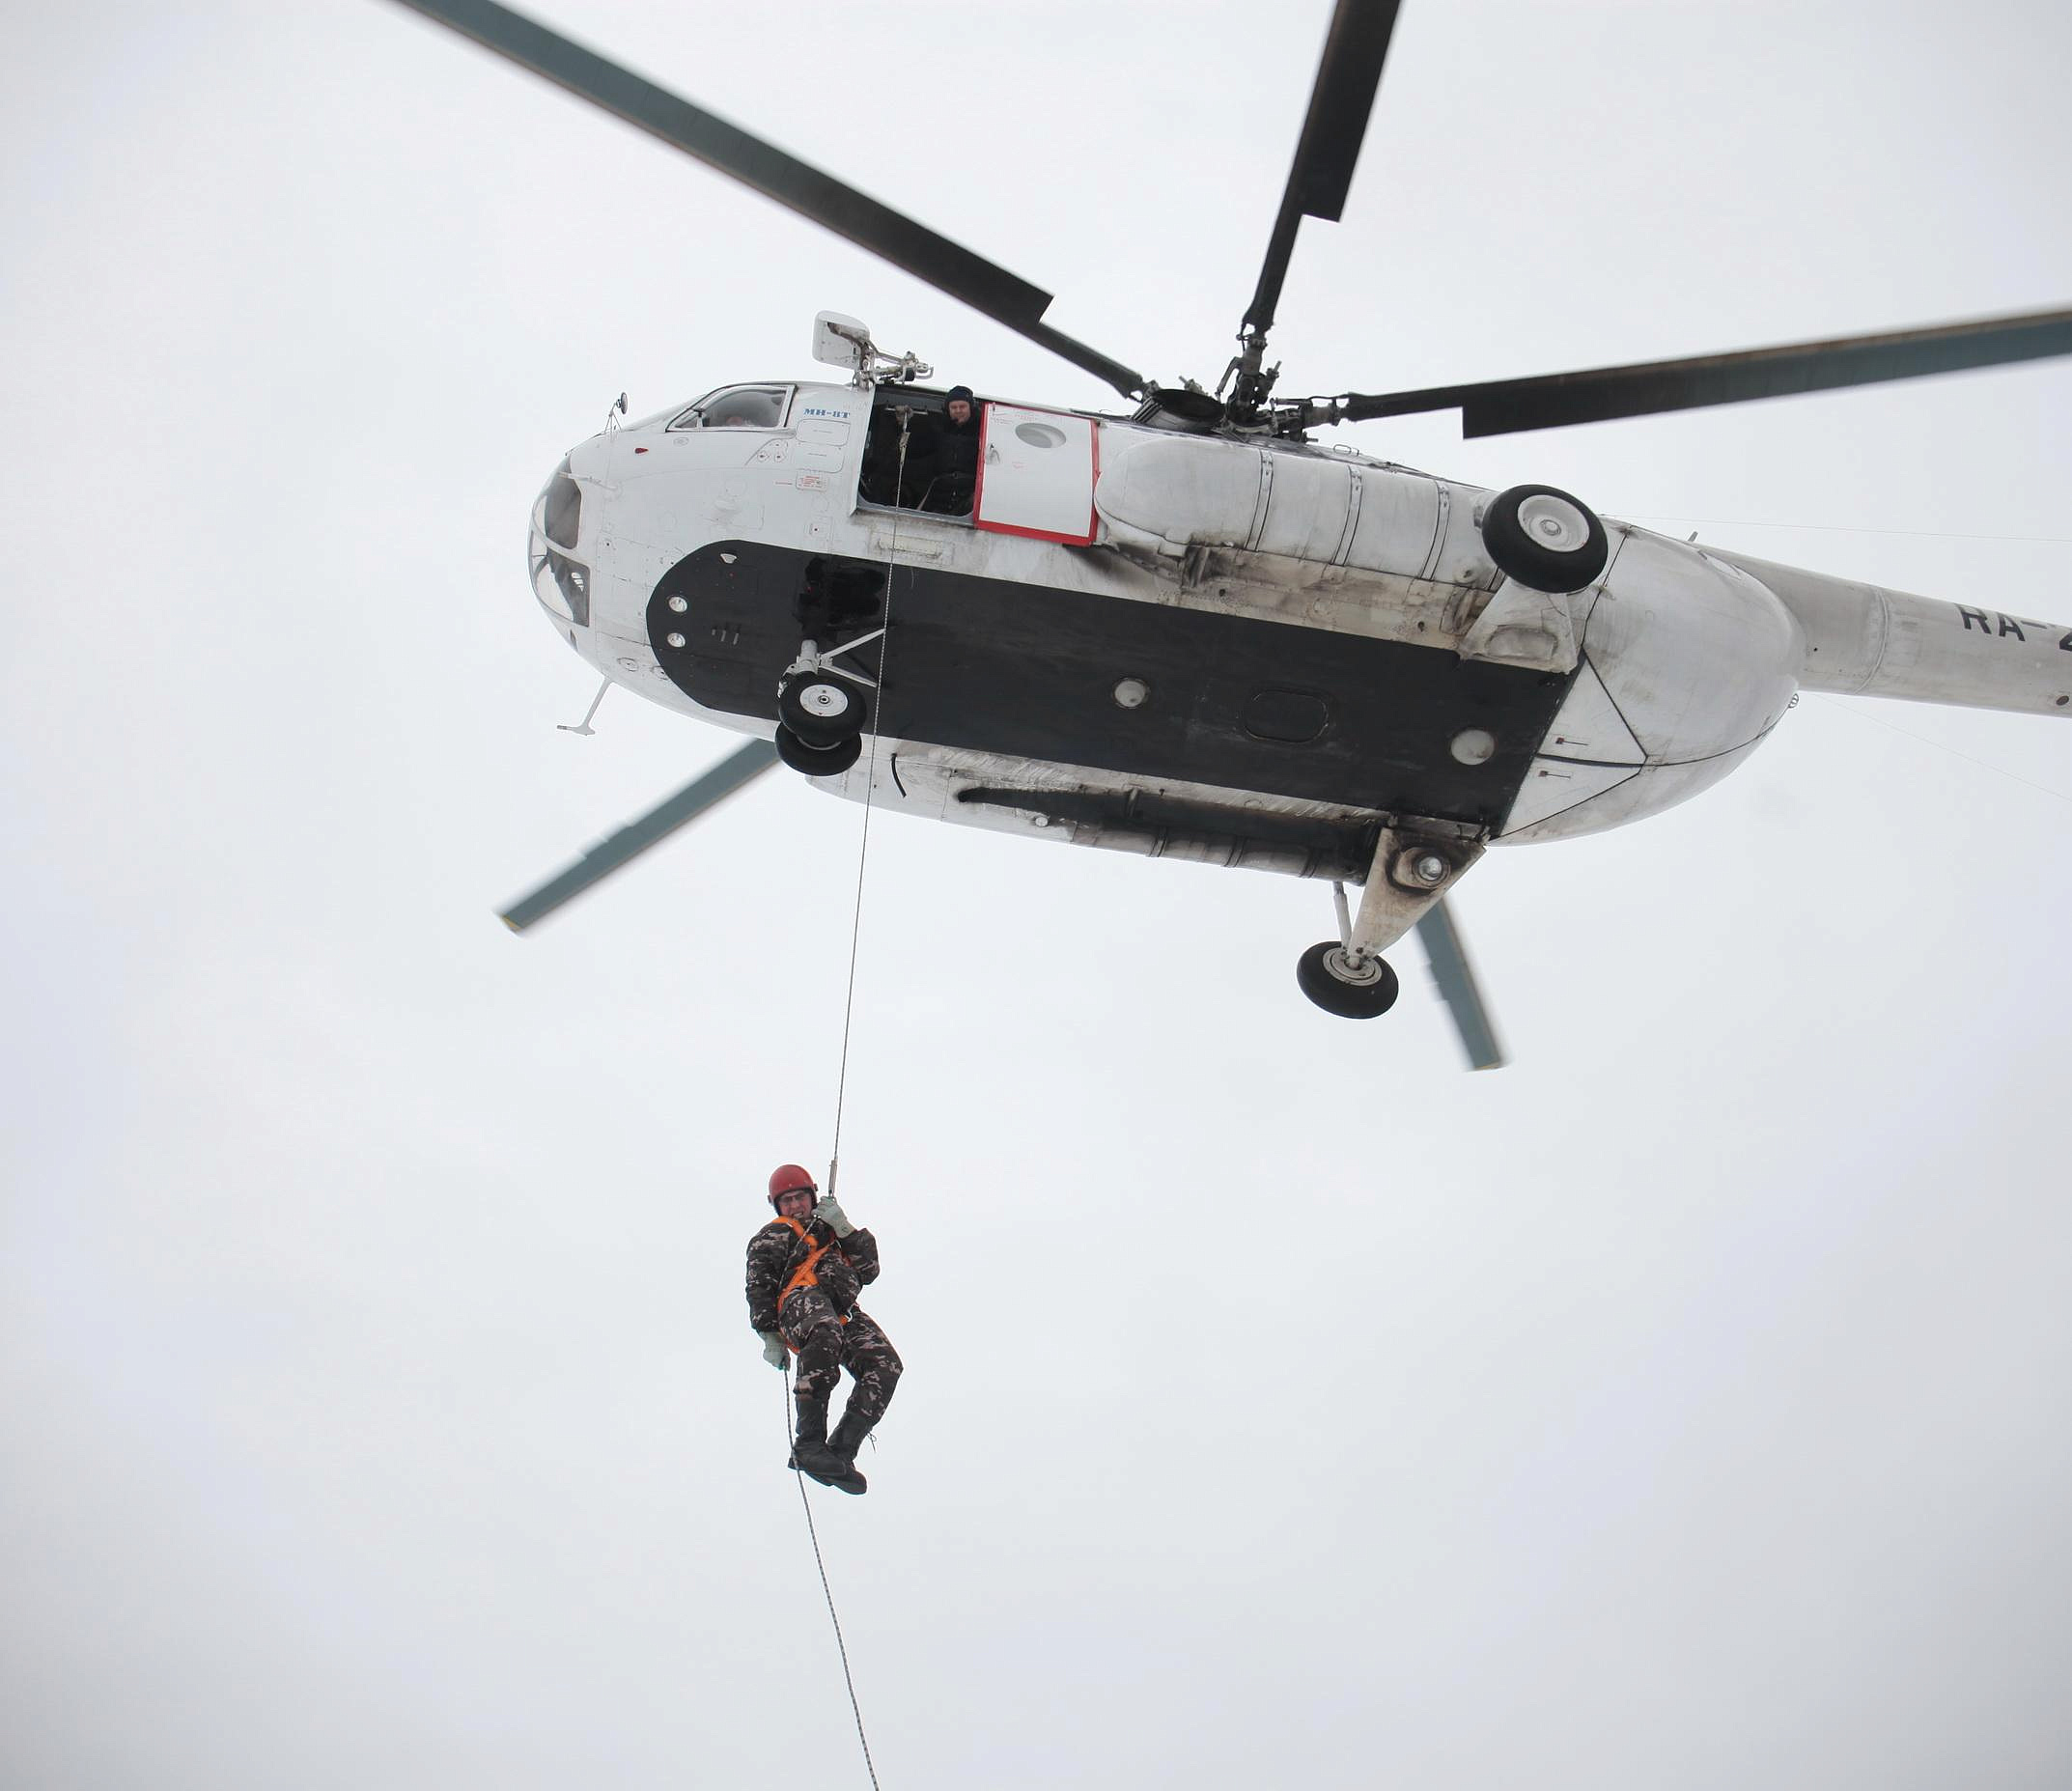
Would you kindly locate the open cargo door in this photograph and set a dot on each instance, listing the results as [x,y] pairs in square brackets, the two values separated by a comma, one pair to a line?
[1036,474]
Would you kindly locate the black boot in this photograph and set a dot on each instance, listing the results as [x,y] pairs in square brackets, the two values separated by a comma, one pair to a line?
[809,1442]
[841,1446]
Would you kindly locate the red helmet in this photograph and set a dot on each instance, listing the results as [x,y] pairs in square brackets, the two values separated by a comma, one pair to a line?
[788,1178]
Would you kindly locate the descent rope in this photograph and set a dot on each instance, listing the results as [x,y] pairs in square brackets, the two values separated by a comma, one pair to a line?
[826,1592]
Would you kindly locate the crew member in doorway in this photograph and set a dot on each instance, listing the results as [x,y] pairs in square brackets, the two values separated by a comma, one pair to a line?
[805,1269]
[947,472]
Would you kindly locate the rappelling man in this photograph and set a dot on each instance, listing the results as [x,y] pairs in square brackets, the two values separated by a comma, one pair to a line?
[805,1269]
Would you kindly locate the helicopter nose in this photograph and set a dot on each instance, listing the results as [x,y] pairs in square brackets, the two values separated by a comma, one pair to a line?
[554,550]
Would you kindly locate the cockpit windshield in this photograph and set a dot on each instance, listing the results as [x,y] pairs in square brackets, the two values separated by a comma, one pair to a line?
[561,584]
[561,508]
[558,581]
[738,407]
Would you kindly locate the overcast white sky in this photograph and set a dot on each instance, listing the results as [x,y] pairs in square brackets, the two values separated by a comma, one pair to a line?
[1685,1403]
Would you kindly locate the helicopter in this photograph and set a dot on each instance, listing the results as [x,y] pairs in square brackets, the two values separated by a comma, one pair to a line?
[1187,629]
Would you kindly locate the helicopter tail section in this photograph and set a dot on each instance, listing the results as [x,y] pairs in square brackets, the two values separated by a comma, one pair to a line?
[1863,640]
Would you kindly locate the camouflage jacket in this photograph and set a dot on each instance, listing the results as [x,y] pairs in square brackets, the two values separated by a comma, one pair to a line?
[776,1252]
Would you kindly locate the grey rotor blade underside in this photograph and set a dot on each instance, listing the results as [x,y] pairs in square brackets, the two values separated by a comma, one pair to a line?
[947,265]
[1348,73]
[1502,407]
[705,790]
[1457,987]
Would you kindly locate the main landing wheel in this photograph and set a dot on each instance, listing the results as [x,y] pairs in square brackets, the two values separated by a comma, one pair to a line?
[821,709]
[817,761]
[1545,538]
[1352,989]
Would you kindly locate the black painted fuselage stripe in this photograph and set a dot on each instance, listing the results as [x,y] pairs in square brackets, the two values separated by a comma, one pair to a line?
[1031,672]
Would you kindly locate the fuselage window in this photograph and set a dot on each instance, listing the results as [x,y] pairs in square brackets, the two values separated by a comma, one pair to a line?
[738,407]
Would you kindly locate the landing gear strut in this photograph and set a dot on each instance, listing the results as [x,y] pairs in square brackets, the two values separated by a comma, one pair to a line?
[1413,868]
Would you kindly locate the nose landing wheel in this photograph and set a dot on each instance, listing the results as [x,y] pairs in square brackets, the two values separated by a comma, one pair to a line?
[821,709]
[1348,985]
[824,710]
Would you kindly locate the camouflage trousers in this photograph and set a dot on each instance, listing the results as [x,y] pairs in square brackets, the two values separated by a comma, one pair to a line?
[826,1345]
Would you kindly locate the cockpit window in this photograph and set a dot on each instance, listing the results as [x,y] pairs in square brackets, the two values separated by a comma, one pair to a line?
[561,584]
[738,407]
[561,506]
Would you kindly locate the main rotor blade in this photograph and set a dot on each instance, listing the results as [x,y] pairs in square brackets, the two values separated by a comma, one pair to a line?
[1347,76]
[949,266]
[635,837]
[1502,407]
[1456,980]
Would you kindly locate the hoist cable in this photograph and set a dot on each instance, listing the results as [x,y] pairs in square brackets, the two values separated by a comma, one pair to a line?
[870,787]
[826,1592]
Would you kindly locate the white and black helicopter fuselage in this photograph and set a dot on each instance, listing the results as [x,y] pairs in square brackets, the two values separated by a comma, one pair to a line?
[1247,652]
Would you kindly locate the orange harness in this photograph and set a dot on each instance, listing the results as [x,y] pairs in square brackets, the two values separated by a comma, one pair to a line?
[806,1274]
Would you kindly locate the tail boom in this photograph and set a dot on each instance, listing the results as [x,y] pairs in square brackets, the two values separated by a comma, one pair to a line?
[1862,641]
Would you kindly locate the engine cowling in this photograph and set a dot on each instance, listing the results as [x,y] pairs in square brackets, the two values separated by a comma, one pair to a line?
[1167,494]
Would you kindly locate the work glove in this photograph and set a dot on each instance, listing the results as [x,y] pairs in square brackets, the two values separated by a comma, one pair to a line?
[829,1211]
[773,1350]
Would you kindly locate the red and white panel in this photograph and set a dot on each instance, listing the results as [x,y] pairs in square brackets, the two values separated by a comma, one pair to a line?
[1036,472]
